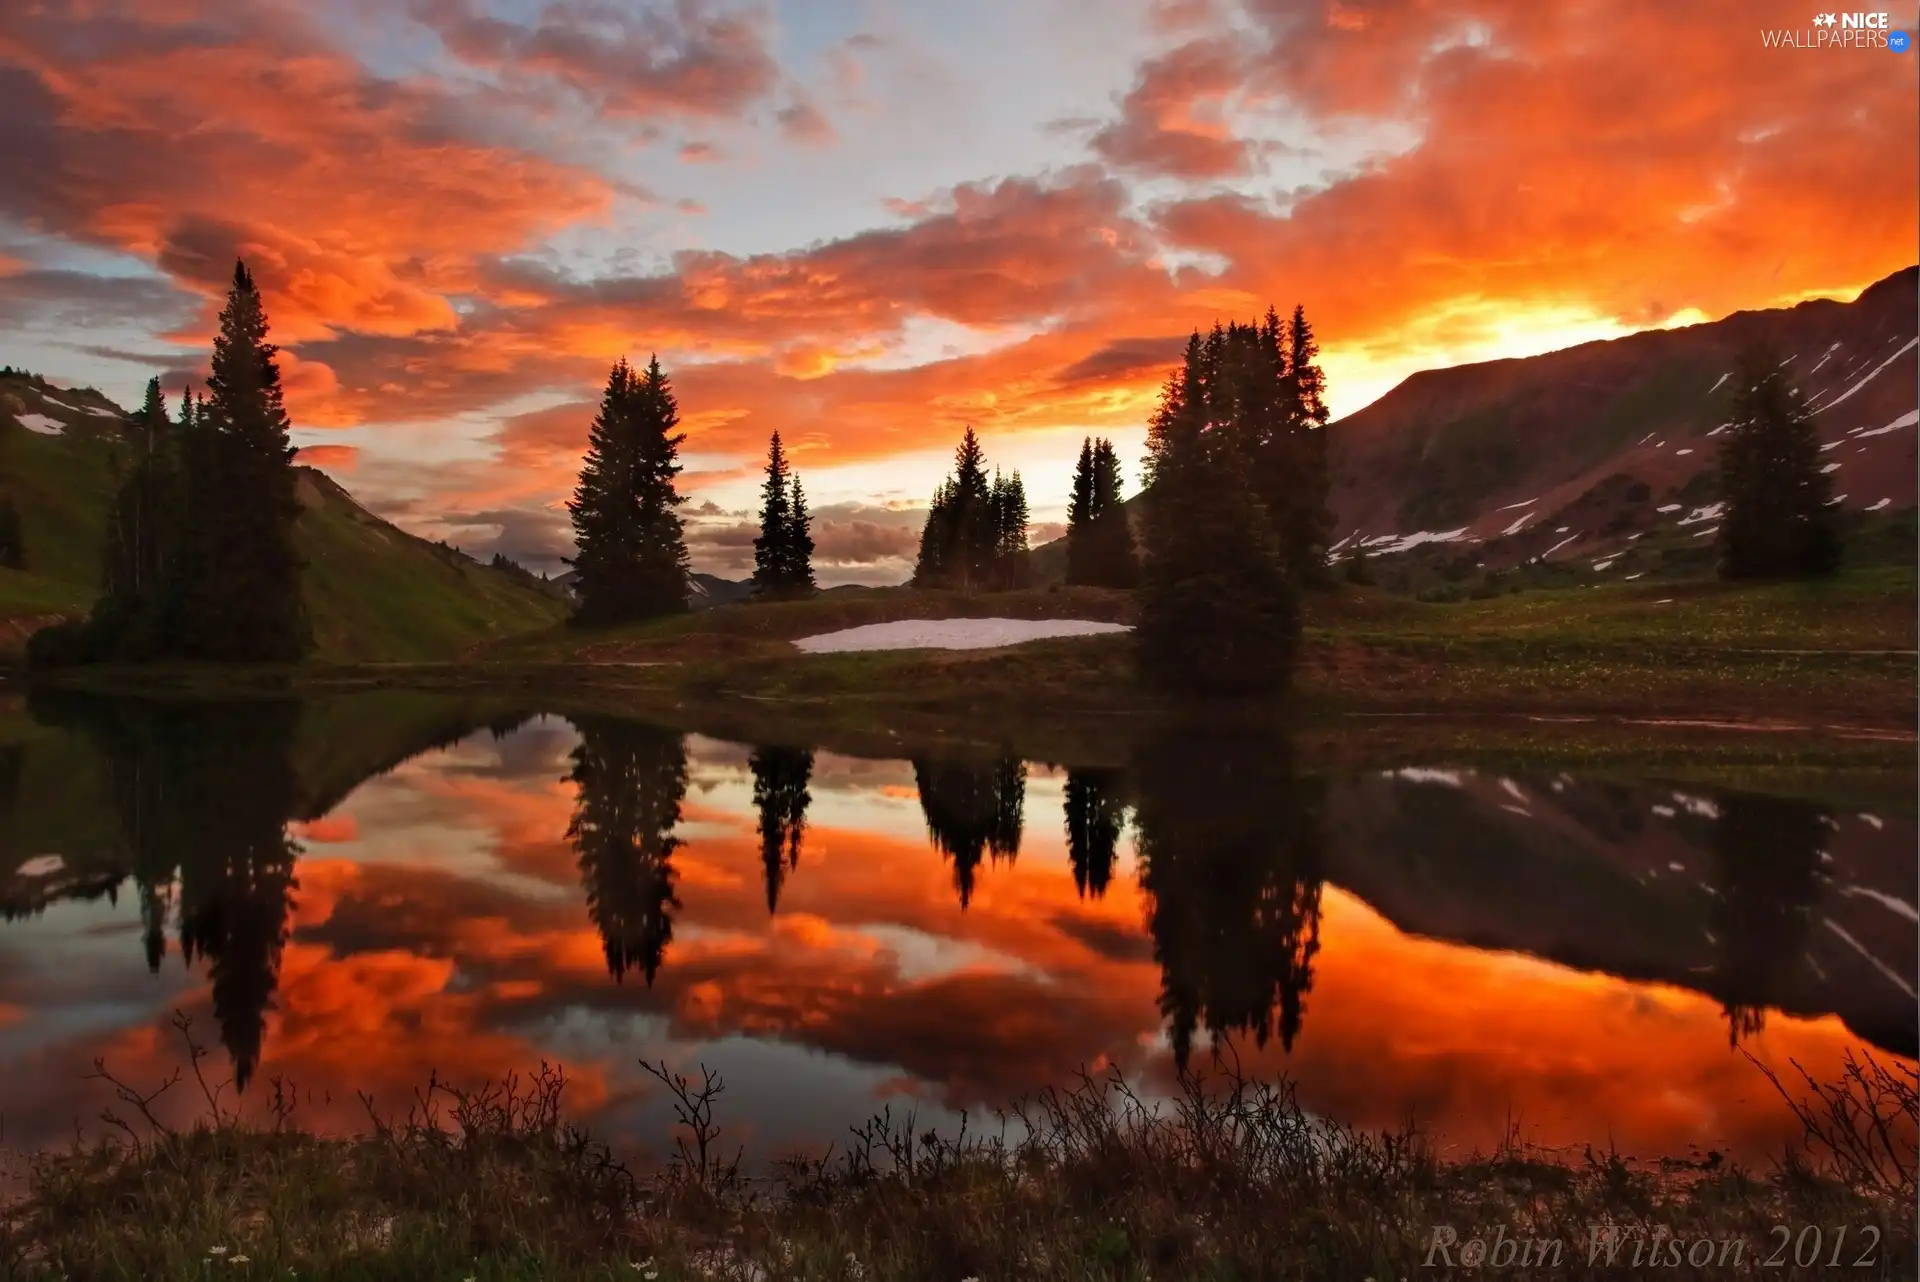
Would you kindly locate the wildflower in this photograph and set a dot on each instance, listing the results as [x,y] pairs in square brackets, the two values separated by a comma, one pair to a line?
[216,1250]
[238,1259]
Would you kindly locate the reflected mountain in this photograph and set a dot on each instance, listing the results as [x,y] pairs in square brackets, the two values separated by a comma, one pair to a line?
[1096,812]
[1721,893]
[973,809]
[1230,846]
[632,779]
[780,777]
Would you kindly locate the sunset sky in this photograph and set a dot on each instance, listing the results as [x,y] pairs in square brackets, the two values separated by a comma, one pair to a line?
[867,223]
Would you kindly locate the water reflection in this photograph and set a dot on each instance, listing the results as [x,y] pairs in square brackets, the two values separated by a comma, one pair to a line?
[1096,814]
[780,796]
[1230,842]
[631,779]
[364,889]
[1766,861]
[973,809]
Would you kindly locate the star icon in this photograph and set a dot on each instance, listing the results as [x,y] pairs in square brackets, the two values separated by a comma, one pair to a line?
[1823,20]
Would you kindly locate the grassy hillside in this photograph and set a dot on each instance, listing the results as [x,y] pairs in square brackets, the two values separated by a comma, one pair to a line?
[375,592]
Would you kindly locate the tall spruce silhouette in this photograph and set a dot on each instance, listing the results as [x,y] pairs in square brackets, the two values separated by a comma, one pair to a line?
[1768,882]
[1780,520]
[140,523]
[632,779]
[780,778]
[783,554]
[231,585]
[631,558]
[1230,841]
[1099,537]
[1095,814]
[13,542]
[961,543]
[1219,609]
[973,809]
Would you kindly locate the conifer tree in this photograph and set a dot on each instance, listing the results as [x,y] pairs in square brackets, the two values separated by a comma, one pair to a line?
[231,588]
[960,543]
[1008,504]
[631,560]
[1310,516]
[1081,508]
[1218,610]
[137,526]
[1779,520]
[799,544]
[772,554]
[1114,562]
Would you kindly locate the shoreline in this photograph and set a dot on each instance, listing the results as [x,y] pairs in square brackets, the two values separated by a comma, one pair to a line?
[1229,1178]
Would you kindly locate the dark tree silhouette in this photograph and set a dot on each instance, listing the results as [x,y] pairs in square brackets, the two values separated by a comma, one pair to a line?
[1767,860]
[631,561]
[231,584]
[1230,843]
[1219,612]
[973,809]
[783,554]
[1780,520]
[780,778]
[1095,816]
[965,538]
[632,779]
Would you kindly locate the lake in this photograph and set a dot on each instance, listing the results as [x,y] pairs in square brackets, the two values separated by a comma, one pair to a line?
[349,894]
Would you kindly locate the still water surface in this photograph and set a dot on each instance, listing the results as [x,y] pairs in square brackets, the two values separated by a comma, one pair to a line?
[352,893]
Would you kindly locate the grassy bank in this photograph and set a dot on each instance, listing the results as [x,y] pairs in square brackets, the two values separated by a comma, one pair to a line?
[1228,1180]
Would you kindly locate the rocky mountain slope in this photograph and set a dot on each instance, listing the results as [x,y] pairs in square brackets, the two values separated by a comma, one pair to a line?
[1576,456]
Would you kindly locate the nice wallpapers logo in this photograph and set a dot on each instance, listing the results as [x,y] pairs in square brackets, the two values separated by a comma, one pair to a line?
[1840,31]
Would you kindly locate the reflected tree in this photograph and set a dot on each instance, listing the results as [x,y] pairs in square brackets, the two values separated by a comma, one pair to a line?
[632,779]
[780,778]
[203,793]
[1095,815]
[1767,863]
[1230,843]
[973,810]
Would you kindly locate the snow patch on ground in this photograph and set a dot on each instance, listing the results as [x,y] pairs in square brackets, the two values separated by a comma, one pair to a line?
[1882,503]
[1412,541]
[42,866]
[1677,453]
[1515,527]
[1710,512]
[1908,419]
[1825,357]
[1631,577]
[40,423]
[1831,467]
[1701,534]
[1670,507]
[1831,445]
[1911,344]
[950,634]
[1718,381]
[1522,503]
[95,409]
[1422,774]
[1603,565]
[1556,547]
